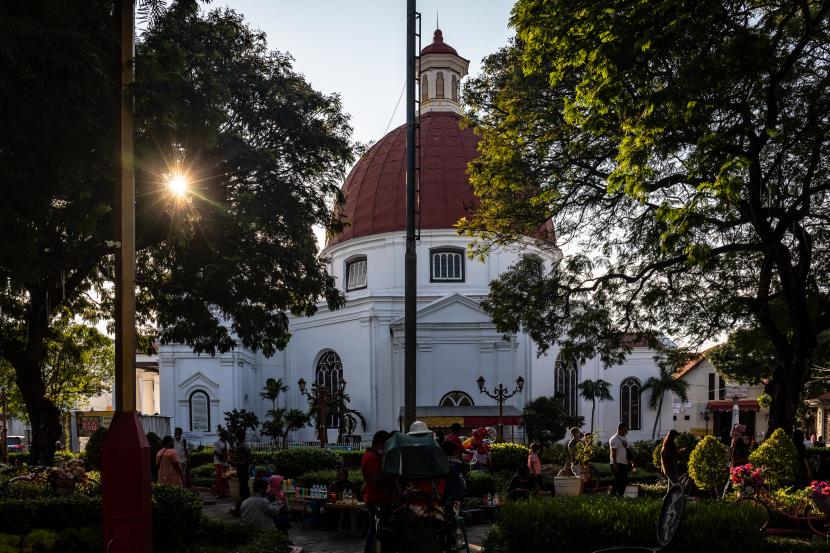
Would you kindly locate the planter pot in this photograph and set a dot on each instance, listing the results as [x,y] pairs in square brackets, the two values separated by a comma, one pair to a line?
[567,485]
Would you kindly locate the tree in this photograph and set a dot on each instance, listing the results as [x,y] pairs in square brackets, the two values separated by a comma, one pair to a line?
[338,412]
[79,364]
[545,421]
[295,419]
[273,389]
[678,149]
[222,266]
[665,382]
[236,421]
[593,391]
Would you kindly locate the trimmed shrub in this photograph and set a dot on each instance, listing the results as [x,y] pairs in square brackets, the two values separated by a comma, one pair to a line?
[708,464]
[555,454]
[200,457]
[641,454]
[265,541]
[777,455]
[297,461]
[507,456]
[177,513]
[588,523]
[93,448]
[351,459]
[480,483]
[21,516]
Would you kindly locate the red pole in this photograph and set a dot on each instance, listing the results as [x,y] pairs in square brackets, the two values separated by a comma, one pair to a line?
[125,470]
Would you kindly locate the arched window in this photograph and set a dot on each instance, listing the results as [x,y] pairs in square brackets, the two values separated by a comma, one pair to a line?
[439,85]
[424,88]
[566,374]
[199,411]
[328,373]
[456,399]
[356,270]
[455,88]
[630,403]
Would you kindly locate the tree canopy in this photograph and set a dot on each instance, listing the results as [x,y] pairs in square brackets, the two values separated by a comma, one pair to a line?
[679,148]
[219,267]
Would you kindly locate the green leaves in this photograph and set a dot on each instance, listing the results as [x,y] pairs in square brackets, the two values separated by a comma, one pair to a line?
[676,148]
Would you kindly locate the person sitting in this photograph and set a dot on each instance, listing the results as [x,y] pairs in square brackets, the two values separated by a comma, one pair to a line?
[258,511]
[275,491]
[523,485]
[820,442]
[342,485]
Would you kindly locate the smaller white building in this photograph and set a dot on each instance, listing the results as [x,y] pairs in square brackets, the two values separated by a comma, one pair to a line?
[712,400]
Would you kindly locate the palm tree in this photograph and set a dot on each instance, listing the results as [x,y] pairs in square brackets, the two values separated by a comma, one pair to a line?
[273,389]
[594,391]
[659,385]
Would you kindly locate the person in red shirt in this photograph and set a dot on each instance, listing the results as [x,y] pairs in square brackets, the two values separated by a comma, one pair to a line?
[454,436]
[375,485]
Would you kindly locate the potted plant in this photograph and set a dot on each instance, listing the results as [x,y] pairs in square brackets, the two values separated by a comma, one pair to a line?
[568,483]
[748,479]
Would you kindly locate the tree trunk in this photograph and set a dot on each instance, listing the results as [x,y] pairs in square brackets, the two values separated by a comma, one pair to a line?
[44,416]
[593,407]
[786,395]
[657,418]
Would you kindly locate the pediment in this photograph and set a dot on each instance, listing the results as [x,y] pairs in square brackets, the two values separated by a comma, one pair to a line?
[198,380]
[452,309]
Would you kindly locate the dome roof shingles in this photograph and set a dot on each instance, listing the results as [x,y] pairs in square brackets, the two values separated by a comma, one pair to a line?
[375,190]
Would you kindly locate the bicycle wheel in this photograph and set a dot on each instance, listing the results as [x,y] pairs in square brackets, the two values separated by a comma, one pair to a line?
[817,521]
[762,509]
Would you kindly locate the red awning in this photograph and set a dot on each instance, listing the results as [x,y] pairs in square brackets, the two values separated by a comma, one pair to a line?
[727,405]
[471,422]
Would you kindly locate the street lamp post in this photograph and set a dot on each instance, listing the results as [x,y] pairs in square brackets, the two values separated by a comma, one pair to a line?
[500,394]
[321,397]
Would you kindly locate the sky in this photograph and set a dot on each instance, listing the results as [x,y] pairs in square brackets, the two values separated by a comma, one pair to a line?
[357,48]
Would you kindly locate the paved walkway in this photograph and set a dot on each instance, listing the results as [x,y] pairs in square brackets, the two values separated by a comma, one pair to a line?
[313,541]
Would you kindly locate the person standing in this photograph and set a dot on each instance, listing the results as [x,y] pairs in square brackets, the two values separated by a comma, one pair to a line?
[620,459]
[183,451]
[576,438]
[167,461]
[241,461]
[375,485]
[534,463]
[220,461]
[670,457]
[739,450]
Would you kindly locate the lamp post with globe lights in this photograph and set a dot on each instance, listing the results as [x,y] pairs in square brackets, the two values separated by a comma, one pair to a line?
[320,396]
[500,394]
[706,415]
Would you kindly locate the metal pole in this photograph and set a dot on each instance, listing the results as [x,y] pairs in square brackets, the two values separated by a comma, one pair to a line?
[5,428]
[501,426]
[125,223]
[410,261]
[321,427]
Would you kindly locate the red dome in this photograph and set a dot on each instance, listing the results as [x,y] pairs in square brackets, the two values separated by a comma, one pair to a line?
[438,45]
[375,190]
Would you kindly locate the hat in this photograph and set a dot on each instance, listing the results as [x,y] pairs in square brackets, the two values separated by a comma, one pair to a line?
[418,428]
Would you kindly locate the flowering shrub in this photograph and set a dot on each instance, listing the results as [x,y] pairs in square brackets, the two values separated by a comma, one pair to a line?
[508,456]
[819,490]
[748,477]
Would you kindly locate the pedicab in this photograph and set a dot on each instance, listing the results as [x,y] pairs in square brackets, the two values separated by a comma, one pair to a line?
[417,521]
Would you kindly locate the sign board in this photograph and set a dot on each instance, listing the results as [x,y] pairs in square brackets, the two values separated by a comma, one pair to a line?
[632,491]
[88,422]
[736,390]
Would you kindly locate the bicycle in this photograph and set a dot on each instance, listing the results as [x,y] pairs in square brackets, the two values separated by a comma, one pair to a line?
[803,511]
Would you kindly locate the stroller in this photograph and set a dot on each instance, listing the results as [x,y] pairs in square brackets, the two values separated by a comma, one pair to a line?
[417,521]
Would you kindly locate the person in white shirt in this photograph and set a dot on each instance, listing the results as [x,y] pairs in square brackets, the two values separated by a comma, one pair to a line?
[182,450]
[220,462]
[259,512]
[620,459]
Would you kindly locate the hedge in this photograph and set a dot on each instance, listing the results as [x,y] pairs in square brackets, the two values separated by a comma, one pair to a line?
[294,462]
[588,523]
[21,516]
[508,456]
[177,513]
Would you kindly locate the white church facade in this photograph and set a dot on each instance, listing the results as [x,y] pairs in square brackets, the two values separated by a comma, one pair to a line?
[362,343]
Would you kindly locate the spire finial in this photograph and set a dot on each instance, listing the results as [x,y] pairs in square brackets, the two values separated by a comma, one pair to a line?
[436,20]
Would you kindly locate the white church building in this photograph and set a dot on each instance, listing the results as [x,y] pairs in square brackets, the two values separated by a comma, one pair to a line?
[362,343]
